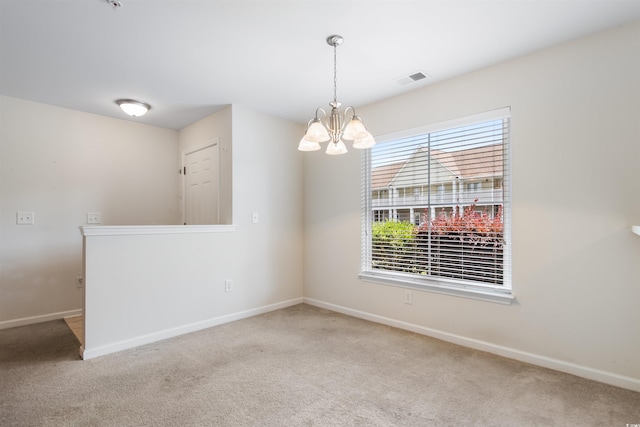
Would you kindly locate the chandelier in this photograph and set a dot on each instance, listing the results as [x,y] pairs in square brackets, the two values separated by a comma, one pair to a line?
[335,129]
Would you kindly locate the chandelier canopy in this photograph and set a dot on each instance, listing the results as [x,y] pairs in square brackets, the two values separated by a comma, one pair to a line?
[334,128]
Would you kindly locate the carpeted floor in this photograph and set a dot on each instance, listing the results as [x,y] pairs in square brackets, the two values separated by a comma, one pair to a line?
[300,366]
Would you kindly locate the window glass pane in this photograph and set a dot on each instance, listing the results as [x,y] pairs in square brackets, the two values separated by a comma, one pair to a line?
[436,205]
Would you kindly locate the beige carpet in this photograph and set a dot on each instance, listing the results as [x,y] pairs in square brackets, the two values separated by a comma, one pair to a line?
[299,366]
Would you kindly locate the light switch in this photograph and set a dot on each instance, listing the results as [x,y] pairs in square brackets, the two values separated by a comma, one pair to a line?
[93,218]
[254,218]
[24,218]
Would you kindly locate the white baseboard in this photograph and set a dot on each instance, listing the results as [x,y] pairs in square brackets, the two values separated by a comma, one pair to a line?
[523,356]
[39,319]
[181,330]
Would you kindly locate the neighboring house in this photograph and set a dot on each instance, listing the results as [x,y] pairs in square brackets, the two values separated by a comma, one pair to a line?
[403,191]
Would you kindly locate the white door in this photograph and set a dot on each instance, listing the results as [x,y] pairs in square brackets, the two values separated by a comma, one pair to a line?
[202,186]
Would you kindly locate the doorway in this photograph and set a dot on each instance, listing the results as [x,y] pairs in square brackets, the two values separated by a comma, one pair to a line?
[202,185]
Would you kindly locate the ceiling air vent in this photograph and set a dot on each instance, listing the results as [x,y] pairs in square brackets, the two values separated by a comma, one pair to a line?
[411,78]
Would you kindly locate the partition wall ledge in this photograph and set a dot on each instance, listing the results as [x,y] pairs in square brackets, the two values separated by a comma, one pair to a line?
[133,230]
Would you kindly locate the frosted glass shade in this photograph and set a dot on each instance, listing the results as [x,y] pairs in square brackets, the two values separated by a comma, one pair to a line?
[317,132]
[337,148]
[355,129]
[308,145]
[366,142]
[133,108]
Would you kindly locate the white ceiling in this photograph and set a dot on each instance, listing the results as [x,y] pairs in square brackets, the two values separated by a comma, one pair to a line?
[188,58]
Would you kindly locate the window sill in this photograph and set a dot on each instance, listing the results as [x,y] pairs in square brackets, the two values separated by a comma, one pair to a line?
[498,296]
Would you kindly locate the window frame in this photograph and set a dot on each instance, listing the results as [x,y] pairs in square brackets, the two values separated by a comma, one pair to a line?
[502,294]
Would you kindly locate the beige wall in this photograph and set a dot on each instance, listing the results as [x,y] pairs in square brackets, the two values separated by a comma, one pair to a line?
[261,172]
[184,271]
[267,180]
[61,164]
[216,127]
[576,265]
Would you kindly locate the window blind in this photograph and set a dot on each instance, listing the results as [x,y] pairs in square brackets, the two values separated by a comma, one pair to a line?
[436,204]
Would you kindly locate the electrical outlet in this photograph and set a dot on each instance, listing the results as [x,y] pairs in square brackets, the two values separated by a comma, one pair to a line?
[255,217]
[25,218]
[93,218]
[408,297]
[228,285]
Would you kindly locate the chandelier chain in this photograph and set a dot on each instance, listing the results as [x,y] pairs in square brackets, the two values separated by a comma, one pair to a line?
[335,74]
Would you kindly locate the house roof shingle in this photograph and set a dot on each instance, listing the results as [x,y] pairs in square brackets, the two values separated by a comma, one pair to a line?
[486,161]
[382,176]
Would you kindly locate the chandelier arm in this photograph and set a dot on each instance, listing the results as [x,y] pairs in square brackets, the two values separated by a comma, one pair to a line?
[324,119]
[323,112]
[345,118]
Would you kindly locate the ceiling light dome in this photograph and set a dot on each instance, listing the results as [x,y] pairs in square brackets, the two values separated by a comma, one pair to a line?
[133,108]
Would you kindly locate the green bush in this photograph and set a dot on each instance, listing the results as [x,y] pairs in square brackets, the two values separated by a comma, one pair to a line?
[393,246]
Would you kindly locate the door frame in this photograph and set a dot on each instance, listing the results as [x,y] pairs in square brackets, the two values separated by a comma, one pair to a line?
[213,142]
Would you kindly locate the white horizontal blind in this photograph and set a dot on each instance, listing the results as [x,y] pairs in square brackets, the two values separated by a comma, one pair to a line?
[436,205]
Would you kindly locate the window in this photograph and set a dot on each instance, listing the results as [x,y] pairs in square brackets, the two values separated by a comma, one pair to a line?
[473,186]
[453,237]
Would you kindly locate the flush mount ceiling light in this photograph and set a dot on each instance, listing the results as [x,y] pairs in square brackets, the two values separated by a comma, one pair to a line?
[333,129]
[133,108]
